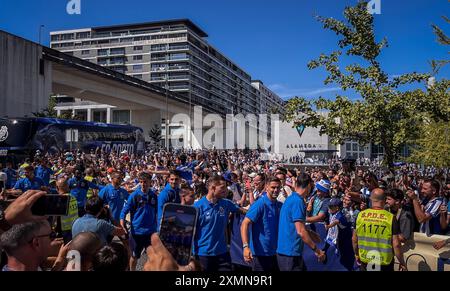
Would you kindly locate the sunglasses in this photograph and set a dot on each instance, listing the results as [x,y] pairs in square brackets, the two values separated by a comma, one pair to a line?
[51,235]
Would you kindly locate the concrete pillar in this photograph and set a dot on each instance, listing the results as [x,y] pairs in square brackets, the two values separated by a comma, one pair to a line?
[89,114]
[58,112]
[108,115]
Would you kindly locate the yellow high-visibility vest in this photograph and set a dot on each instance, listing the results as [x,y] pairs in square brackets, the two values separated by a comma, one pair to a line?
[374,231]
[90,191]
[72,215]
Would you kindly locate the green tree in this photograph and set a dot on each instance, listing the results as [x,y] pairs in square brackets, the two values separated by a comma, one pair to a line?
[155,135]
[386,112]
[50,110]
[433,146]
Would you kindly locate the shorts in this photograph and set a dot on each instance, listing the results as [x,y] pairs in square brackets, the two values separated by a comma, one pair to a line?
[138,243]
[264,264]
[220,263]
[288,263]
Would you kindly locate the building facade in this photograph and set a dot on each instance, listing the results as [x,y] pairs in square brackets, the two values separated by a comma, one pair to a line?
[171,54]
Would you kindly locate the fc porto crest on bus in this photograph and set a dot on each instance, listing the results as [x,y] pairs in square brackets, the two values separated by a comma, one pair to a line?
[3,133]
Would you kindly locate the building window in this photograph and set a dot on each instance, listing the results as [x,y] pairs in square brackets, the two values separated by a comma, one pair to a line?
[137,58]
[138,48]
[121,116]
[99,116]
[348,147]
[138,67]
[117,51]
[103,52]
[138,76]
[81,115]
[86,52]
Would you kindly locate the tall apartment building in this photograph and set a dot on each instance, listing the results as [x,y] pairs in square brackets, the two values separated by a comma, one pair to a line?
[173,53]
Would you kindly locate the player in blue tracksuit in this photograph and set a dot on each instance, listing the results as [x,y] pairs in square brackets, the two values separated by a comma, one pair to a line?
[263,216]
[114,196]
[141,205]
[79,188]
[30,182]
[170,194]
[210,245]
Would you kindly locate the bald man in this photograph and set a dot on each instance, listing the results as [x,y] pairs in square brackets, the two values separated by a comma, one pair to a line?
[376,237]
[64,223]
[84,246]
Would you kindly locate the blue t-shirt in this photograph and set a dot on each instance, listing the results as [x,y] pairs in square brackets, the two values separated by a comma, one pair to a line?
[44,173]
[265,215]
[89,223]
[212,223]
[320,205]
[26,184]
[142,209]
[11,175]
[289,241]
[167,195]
[115,198]
[79,188]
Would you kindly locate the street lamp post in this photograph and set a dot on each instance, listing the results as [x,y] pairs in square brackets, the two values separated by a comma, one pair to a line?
[167,100]
[40,33]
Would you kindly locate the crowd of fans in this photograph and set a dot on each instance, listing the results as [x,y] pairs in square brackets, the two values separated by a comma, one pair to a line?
[116,204]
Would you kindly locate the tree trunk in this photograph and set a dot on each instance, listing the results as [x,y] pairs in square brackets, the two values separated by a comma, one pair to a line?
[388,156]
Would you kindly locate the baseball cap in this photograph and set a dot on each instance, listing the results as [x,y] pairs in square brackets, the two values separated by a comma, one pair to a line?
[253,175]
[323,185]
[335,202]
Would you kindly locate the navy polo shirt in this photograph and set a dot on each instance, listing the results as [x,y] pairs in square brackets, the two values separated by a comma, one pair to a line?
[26,184]
[264,215]
[167,195]
[289,241]
[115,198]
[212,223]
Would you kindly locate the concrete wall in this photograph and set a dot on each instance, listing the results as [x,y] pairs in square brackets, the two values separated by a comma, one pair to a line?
[23,89]
[292,144]
[146,119]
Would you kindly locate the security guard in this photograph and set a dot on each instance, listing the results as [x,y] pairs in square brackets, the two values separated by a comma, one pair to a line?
[65,222]
[376,238]
[90,178]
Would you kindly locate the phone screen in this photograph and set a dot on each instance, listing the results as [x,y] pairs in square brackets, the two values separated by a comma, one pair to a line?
[177,231]
[51,205]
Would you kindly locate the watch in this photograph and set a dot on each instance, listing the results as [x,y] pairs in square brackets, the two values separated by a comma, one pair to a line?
[4,225]
[245,246]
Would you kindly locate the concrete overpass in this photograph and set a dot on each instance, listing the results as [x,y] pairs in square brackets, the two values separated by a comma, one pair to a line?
[30,73]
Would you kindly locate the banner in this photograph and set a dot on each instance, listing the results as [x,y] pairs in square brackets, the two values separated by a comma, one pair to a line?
[420,255]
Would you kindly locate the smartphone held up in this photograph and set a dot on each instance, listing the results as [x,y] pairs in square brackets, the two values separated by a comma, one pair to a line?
[177,231]
[51,205]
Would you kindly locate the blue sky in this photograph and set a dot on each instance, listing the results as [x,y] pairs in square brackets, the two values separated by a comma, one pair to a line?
[272,40]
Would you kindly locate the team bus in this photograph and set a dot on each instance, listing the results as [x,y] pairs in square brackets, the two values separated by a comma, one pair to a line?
[24,136]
